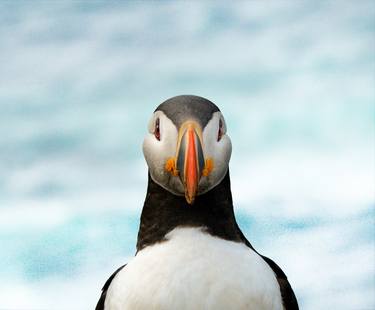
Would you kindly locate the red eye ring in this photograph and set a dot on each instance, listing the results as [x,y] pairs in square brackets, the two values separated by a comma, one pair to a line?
[220,131]
[157,129]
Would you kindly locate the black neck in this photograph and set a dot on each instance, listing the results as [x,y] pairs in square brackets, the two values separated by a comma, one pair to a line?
[163,211]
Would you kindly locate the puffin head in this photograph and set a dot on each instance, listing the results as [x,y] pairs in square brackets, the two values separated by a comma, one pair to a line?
[186,148]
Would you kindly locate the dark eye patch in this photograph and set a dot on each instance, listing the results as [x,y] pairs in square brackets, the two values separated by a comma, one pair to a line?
[157,129]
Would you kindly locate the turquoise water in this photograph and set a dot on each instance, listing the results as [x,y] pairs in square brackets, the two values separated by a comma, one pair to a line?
[78,83]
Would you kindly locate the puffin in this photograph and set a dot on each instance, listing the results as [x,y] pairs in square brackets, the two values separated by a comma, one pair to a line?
[190,251]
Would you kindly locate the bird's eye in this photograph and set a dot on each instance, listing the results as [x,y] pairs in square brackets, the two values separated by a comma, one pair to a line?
[157,129]
[220,131]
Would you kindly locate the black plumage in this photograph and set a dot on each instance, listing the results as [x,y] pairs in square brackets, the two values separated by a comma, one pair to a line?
[183,107]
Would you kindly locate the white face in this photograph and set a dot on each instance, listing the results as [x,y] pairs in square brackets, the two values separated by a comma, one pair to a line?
[161,148]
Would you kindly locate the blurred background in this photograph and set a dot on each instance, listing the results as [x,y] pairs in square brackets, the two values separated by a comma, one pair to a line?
[79,81]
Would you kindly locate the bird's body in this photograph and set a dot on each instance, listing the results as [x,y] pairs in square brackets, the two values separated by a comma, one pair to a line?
[215,274]
[191,253]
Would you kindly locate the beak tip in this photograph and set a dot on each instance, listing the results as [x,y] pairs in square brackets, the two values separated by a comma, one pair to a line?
[189,199]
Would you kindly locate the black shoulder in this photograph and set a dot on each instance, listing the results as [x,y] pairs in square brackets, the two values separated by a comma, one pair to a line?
[287,294]
[100,304]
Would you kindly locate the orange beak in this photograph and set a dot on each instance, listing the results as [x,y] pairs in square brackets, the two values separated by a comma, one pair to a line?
[190,160]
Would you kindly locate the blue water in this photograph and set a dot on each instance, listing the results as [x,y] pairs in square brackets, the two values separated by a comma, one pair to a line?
[79,81]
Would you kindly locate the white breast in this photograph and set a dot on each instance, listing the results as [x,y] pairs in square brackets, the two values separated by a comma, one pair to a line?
[194,270]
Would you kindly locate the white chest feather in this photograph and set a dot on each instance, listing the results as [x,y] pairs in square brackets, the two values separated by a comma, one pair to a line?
[194,270]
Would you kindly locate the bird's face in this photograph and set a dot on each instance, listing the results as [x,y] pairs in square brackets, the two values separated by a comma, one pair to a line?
[187,149]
